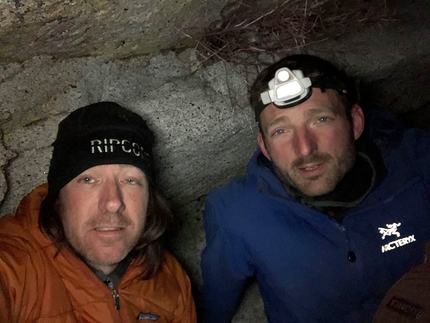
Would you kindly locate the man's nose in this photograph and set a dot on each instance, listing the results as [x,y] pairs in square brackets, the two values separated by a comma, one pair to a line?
[111,197]
[305,142]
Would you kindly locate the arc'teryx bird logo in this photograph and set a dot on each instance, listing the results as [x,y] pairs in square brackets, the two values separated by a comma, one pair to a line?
[390,230]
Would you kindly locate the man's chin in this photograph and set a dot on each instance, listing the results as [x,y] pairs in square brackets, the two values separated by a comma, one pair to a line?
[105,258]
[315,186]
[310,186]
[104,264]
[316,190]
[315,193]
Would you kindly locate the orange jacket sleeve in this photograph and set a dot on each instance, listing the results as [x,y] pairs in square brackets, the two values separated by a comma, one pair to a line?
[186,311]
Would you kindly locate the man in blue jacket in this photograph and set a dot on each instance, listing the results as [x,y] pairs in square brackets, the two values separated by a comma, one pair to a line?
[331,212]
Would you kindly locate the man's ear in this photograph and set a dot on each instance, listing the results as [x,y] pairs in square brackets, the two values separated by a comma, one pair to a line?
[357,116]
[262,145]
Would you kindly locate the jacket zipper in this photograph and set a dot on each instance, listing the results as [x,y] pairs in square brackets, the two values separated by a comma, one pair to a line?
[114,294]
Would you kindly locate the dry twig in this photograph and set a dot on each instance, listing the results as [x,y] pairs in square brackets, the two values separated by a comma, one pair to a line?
[247,30]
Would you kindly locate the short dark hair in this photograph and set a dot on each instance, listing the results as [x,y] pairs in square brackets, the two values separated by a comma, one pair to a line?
[317,69]
[158,218]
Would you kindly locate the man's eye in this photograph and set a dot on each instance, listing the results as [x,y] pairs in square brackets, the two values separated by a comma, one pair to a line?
[87,180]
[324,119]
[131,181]
[278,132]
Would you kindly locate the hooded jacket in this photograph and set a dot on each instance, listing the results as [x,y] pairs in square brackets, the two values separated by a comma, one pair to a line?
[309,267]
[36,285]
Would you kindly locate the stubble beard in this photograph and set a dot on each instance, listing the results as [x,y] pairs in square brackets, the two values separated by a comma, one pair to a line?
[86,250]
[334,172]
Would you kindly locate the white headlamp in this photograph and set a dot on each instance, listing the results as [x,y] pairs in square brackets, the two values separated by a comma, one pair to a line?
[287,88]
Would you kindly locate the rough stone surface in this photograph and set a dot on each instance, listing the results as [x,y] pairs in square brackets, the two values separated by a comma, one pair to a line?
[112,29]
[5,156]
[204,128]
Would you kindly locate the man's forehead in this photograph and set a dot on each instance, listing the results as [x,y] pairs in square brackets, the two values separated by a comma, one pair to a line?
[307,110]
[121,166]
[335,109]
[109,168]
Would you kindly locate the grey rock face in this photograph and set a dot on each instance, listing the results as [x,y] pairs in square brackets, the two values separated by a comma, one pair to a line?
[111,29]
[5,156]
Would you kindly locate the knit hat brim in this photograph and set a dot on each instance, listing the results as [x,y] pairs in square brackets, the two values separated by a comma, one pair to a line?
[97,135]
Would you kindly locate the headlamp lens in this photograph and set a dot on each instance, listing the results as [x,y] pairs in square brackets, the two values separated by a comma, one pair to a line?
[286,91]
[283,76]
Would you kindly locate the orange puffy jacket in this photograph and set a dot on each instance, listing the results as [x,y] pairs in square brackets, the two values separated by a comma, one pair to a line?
[35,286]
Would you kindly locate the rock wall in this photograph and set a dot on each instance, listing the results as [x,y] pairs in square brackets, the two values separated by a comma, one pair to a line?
[111,29]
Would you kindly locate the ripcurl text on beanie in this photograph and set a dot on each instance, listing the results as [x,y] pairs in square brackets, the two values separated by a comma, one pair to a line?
[99,134]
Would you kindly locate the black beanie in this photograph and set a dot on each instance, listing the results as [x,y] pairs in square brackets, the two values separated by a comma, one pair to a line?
[99,134]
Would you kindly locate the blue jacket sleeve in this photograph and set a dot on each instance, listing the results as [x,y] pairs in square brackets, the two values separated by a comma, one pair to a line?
[418,143]
[225,263]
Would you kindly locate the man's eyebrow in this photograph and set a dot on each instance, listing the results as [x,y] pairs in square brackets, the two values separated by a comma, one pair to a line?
[311,112]
[277,121]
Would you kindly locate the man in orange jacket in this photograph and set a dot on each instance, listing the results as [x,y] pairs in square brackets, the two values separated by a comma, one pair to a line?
[86,247]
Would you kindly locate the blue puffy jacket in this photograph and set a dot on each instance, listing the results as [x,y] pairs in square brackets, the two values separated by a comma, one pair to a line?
[309,267]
